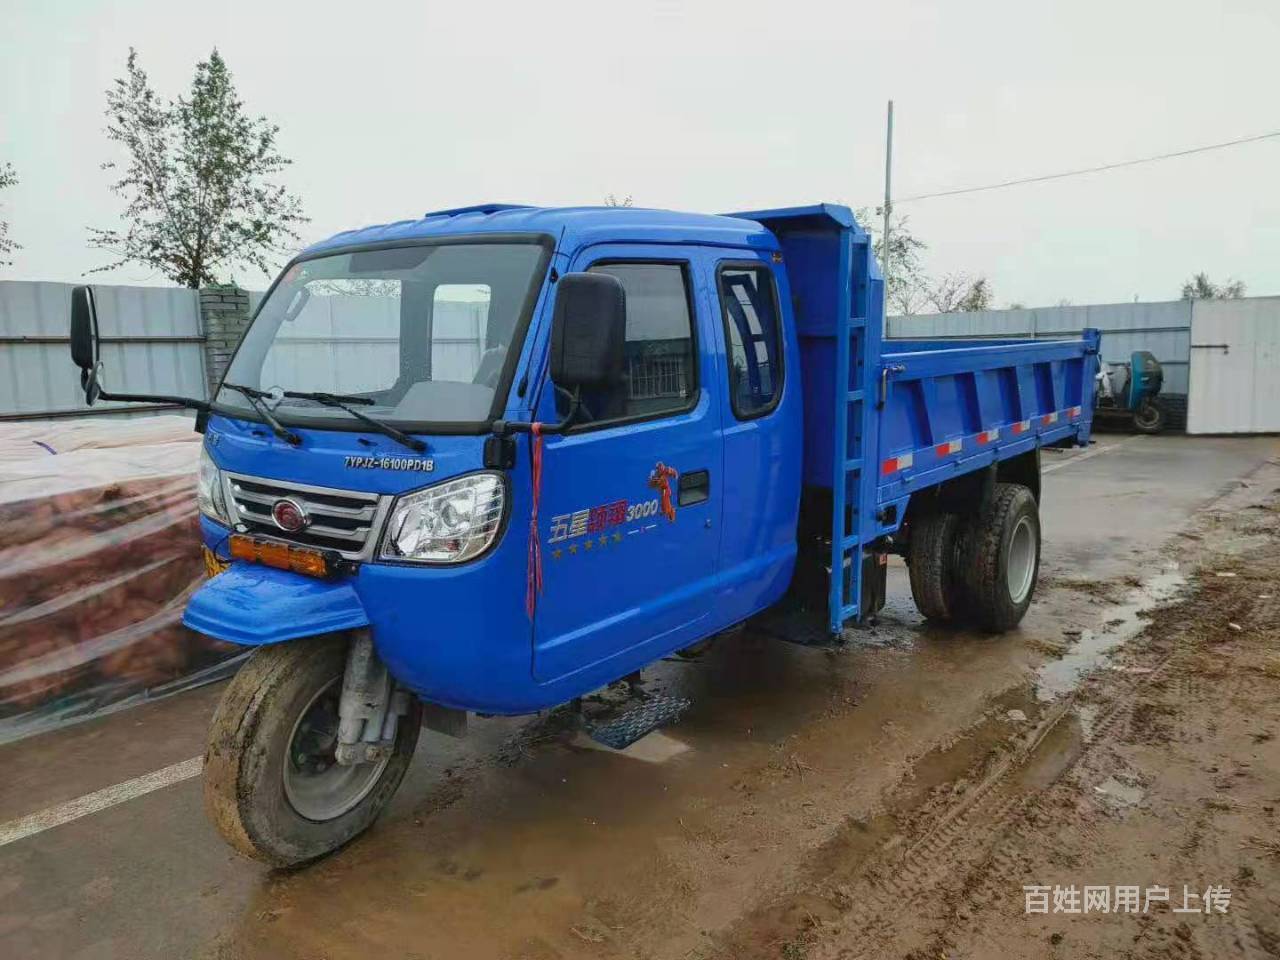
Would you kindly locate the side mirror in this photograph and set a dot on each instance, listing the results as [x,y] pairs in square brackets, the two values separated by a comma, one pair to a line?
[588,331]
[84,341]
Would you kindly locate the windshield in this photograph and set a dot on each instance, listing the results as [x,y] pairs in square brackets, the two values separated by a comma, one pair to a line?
[423,332]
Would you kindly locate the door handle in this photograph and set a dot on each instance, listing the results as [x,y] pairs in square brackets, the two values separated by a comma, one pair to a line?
[693,487]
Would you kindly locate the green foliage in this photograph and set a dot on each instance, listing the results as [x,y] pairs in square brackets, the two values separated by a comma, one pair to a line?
[1200,287]
[197,180]
[907,286]
[8,178]
[977,297]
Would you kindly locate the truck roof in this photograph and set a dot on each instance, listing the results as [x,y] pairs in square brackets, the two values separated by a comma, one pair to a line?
[574,227]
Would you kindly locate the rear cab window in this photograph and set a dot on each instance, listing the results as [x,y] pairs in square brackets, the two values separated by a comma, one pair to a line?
[753,337]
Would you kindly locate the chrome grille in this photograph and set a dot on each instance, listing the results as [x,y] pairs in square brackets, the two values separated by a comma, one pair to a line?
[344,520]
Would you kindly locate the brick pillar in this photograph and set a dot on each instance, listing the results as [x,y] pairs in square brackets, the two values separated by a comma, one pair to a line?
[224,313]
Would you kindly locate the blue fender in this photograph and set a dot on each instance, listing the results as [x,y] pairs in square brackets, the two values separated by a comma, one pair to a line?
[254,606]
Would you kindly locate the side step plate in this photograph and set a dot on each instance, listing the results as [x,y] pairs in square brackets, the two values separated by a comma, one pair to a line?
[808,628]
[625,729]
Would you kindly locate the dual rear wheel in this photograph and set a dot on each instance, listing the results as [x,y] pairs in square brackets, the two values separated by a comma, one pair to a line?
[979,569]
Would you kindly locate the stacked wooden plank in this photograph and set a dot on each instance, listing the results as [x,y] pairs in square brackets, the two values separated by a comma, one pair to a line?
[99,551]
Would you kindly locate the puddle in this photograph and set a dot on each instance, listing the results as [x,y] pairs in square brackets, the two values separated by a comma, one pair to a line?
[1118,793]
[1123,621]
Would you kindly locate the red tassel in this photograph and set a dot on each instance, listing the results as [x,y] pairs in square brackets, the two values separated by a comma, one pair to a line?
[660,480]
[534,585]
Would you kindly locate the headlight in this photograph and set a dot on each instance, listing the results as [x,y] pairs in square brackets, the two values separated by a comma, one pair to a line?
[210,492]
[448,523]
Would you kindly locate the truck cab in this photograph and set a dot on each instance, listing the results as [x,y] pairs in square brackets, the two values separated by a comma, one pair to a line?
[444,324]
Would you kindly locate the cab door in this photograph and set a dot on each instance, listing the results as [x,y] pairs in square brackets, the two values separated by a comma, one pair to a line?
[631,496]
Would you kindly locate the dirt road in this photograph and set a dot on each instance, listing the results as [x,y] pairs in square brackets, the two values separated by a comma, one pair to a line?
[888,798]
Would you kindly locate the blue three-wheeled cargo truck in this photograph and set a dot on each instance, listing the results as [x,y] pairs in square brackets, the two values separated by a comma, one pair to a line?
[495,458]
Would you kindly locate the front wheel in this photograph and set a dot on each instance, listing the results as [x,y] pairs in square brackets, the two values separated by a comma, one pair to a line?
[271,784]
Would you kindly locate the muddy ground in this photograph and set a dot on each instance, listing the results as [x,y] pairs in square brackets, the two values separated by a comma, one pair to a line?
[890,797]
[1161,770]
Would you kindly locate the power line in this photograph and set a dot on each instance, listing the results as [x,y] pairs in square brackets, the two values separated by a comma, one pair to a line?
[1098,169]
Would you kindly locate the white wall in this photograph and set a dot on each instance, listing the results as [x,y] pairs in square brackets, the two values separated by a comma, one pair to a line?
[1235,366]
[157,349]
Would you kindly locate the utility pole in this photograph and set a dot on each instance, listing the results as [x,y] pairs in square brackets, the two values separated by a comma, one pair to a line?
[888,207]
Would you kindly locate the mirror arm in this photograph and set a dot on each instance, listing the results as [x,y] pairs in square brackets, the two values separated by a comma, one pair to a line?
[189,402]
[505,428]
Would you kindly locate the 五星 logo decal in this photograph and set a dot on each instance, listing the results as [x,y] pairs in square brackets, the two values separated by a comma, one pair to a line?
[595,528]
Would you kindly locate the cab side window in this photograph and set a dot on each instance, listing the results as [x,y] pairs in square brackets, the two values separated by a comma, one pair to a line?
[753,336]
[660,376]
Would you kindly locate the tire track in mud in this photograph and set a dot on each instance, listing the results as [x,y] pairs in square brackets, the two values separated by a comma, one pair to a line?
[965,849]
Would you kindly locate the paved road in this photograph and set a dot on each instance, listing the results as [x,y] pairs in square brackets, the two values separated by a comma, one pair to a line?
[495,849]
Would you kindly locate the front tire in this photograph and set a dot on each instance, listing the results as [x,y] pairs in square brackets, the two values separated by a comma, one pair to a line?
[1000,558]
[270,784]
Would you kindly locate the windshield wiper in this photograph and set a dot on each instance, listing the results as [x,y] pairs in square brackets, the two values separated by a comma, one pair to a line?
[255,400]
[321,395]
[340,401]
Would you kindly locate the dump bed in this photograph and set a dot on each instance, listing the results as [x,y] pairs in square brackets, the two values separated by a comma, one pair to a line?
[887,418]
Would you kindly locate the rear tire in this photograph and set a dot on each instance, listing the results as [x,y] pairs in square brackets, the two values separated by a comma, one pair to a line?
[255,735]
[931,563]
[1149,417]
[999,556]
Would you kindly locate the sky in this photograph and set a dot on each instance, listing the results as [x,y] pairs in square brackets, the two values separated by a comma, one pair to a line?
[391,109]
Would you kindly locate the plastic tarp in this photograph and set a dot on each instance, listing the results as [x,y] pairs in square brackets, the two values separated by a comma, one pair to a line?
[99,552]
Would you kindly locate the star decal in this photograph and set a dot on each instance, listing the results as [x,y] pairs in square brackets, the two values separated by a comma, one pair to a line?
[617,537]
[573,548]
[588,545]
[603,541]
[557,553]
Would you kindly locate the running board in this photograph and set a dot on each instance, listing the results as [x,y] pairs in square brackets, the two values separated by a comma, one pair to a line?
[625,729]
[805,627]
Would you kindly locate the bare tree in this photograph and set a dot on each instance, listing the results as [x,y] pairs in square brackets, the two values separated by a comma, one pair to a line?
[1200,287]
[8,178]
[958,293]
[945,293]
[198,179]
[612,200]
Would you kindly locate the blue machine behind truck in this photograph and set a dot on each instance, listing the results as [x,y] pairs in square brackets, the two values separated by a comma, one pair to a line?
[495,458]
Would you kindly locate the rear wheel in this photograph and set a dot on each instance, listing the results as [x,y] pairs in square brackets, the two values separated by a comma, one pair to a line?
[1149,417]
[931,563]
[272,786]
[999,558]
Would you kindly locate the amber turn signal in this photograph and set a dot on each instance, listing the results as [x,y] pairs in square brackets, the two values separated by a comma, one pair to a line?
[280,555]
